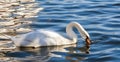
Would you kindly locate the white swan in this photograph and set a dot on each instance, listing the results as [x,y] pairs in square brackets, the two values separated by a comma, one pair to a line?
[40,38]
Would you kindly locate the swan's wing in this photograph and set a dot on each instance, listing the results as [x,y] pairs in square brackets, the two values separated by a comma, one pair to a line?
[26,39]
[36,38]
[48,33]
[54,38]
[40,38]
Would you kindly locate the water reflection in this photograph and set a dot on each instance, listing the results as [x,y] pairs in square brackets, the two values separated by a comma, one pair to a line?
[74,54]
[47,54]
[15,18]
[17,15]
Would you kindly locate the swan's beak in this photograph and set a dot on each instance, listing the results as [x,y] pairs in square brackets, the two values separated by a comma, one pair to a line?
[88,41]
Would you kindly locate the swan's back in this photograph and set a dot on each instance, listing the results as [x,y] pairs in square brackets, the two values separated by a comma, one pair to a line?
[40,38]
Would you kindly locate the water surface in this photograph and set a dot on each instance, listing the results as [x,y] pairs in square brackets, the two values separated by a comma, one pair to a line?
[100,18]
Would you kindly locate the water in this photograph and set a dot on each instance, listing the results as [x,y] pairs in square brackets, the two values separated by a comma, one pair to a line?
[99,18]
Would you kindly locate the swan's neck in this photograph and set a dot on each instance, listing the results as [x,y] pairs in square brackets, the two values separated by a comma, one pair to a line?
[71,33]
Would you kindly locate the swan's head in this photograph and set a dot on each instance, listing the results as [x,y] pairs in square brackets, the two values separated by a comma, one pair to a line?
[82,31]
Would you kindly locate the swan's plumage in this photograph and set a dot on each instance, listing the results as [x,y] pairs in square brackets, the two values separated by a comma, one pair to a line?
[41,37]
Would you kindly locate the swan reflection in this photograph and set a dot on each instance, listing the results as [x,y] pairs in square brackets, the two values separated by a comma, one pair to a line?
[74,54]
[47,54]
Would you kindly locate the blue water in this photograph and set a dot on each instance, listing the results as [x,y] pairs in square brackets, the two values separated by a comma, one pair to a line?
[101,19]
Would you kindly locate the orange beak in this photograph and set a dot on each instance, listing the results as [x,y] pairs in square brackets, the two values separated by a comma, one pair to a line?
[88,41]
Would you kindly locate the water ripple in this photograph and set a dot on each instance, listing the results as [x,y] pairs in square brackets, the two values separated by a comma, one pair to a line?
[99,17]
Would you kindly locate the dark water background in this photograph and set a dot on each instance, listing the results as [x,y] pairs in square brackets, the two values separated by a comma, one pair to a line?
[101,18]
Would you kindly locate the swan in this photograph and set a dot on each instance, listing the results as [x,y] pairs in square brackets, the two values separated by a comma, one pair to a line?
[42,37]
